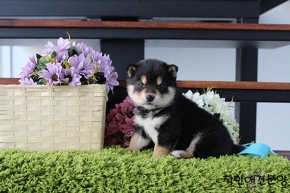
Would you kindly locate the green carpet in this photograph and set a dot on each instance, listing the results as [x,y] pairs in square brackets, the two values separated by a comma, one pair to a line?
[120,170]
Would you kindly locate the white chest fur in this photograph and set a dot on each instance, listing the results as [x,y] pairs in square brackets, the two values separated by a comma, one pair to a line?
[151,124]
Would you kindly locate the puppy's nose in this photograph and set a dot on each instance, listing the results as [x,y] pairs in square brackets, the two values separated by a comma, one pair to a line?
[150,98]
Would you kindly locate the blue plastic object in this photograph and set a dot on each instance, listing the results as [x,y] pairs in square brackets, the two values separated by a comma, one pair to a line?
[256,149]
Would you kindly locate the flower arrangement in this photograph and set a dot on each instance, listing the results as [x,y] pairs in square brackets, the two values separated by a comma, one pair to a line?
[69,63]
[212,103]
[120,126]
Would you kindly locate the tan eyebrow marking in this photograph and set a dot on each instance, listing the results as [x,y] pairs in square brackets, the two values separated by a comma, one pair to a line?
[159,80]
[144,79]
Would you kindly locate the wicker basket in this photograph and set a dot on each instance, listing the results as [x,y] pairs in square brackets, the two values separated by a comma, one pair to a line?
[59,118]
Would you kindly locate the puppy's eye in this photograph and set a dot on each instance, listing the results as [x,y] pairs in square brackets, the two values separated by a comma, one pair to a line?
[161,86]
[141,85]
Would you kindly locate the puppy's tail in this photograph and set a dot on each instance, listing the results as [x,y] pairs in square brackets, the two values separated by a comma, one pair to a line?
[237,149]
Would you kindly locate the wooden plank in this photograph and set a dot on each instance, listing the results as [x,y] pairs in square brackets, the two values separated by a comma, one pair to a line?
[143,24]
[9,81]
[235,85]
[229,85]
[218,35]
[205,84]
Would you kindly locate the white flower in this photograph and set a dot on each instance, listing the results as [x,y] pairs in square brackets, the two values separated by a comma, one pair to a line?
[212,103]
[189,94]
[196,97]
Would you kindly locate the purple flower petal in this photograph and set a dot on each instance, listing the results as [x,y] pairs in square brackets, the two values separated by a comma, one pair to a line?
[53,74]
[82,65]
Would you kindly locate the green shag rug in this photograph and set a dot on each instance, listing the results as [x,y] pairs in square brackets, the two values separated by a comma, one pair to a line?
[120,170]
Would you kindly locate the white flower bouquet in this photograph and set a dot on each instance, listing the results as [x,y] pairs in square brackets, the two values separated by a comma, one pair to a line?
[214,104]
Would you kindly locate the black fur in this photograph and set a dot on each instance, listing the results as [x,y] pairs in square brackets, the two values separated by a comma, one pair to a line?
[186,119]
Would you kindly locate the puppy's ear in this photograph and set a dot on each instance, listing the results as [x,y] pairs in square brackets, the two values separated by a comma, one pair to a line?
[172,69]
[131,69]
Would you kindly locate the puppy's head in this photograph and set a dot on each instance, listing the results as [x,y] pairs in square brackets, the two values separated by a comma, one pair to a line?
[151,83]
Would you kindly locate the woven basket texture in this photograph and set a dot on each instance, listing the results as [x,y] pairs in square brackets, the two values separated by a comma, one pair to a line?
[58,118]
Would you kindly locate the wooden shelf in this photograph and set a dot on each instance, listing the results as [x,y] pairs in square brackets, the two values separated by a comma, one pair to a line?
[242,91]
[235,35]
[9,80]
[236,85]
[242,85]
[143,24]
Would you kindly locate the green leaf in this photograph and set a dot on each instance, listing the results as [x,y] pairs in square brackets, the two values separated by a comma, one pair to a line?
[73,50]
[41,63]
[53,54]
[38,56]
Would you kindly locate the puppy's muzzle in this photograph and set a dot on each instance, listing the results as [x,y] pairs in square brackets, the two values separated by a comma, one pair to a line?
[150,98]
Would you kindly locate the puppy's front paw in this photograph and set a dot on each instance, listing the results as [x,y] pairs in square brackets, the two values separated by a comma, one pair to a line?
[160,151]
[182,154]
[177,153]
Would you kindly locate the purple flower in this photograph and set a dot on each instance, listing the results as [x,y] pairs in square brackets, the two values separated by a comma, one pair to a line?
[71,77]
[111,80]
[99,58]
[60,49]
[82,65]
[126,144]
[62,45]
[32,59]
[27,81]
[111,76]
[61,56]
[105,65]
[121,126]
[87,51]
[28,69]
[129,134]
[53,74]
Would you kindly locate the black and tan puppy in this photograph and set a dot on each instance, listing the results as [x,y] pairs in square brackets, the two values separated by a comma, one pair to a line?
[168,119]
